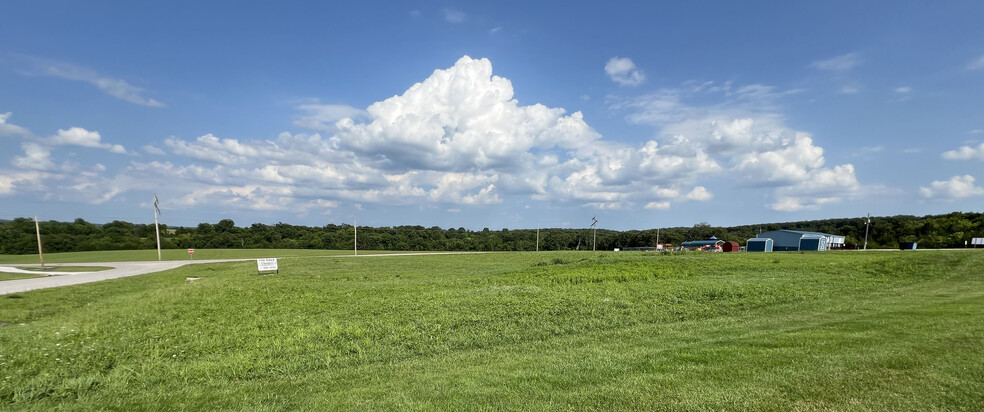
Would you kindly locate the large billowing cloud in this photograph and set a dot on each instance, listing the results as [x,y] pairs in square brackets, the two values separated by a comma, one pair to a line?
[460,139]
[743,138]
[458,119]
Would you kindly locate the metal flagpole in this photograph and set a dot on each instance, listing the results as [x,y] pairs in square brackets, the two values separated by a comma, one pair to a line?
[866,232]
[157,228]
[537,238]
[37,228]
[594,241]
[356,240]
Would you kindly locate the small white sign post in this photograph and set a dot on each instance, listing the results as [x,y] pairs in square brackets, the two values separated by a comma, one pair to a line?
[191,254]
[267,265]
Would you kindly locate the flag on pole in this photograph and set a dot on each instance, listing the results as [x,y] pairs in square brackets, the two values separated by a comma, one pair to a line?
[156,204]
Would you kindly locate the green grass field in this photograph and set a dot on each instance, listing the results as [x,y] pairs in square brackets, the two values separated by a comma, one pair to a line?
[511,331]
[48,268]
[13,276]
[172,254]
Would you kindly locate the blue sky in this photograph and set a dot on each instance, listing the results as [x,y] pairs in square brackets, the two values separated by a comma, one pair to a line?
[499,114]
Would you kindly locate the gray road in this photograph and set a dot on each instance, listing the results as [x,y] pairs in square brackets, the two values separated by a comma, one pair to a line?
[120,270]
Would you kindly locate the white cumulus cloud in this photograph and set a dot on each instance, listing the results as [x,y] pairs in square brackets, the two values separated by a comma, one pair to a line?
[11,181]
[460,118]
[956,188]
[742,138]
[77,136]
[820,187]
[460,138]
[213,149]
[624,72]
[700,194]
[966,153]
[36,157]
[663,205]
[39,171]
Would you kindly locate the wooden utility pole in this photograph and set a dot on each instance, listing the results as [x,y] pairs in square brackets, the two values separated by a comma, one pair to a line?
[37,228]
[356,240]
[537,238]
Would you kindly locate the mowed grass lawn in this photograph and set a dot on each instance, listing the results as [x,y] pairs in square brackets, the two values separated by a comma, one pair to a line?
[511,331]
[171,254]
[14,276]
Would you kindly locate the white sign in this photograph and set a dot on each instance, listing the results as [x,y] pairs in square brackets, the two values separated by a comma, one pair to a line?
[977,241]
[267,264]
[191,251]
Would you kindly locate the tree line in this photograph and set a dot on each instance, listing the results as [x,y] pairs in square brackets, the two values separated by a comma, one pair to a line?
[18,236]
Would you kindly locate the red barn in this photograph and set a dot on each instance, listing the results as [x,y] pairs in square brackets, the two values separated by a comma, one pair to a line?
[730,247]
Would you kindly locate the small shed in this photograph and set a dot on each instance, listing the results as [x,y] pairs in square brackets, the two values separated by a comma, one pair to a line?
[759,244]
[730,247]
[815,243]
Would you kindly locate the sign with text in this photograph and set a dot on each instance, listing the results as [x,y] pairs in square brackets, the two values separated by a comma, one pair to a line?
[267,264]
[191,251]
